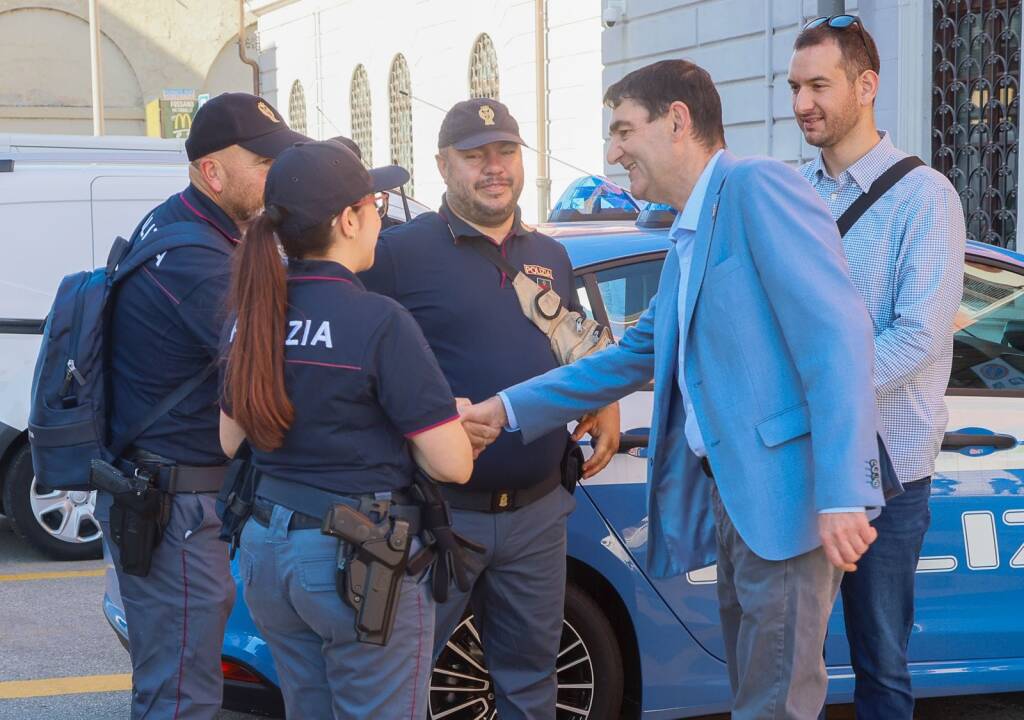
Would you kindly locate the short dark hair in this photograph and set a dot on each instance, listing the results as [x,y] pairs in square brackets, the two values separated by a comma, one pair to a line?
[658,85]
[856,46]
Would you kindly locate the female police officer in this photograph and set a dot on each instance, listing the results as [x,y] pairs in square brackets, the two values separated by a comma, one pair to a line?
[338,394]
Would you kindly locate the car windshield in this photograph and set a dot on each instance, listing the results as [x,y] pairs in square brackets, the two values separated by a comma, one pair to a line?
[594,198]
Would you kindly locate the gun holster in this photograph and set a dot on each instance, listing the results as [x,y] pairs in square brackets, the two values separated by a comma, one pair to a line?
[444,549]
[138,517]
[236,497]
[572,465]
[371,564]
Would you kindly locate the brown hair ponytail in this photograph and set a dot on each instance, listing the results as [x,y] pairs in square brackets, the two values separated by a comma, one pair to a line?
[254,380]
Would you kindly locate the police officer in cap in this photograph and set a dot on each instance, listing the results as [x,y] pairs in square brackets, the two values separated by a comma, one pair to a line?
[339,396]
[165,327]
[515,503]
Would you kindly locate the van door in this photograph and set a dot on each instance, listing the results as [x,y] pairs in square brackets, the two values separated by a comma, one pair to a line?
[120,202]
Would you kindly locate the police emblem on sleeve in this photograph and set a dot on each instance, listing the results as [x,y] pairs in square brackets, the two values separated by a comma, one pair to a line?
[486,114]
[265,109]
[540,275]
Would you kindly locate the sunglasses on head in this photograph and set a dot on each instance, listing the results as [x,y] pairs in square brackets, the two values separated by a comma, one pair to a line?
[838,22]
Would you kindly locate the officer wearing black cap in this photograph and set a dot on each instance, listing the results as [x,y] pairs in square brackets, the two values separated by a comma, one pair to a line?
[514,504]
[338,395]
[165,330]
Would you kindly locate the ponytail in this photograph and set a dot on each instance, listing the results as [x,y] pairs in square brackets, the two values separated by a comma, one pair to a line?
[254,380]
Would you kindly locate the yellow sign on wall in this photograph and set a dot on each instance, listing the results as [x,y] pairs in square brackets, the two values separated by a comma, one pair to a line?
[171,115]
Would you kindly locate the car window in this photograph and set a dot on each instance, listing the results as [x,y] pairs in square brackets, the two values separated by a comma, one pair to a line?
[988,347]
[626,291]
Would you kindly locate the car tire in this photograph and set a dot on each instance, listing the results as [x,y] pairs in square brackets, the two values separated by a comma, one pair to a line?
[583,615]
[590,679]
[80,542]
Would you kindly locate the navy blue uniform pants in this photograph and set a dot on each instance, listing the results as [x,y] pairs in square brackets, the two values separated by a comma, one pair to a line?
[176,616]
[878,607]
[518,599]
[288,578]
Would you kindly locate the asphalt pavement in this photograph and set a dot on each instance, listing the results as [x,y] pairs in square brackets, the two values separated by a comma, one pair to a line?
[59,660]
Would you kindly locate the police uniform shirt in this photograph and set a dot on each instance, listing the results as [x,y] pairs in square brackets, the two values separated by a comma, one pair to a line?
[471,317]
[166,326]
[361,379]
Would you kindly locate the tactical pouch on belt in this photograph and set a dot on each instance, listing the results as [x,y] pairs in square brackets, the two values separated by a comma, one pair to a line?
[138,517]
[572,465]
[571,334]
[371,564]
[236,497]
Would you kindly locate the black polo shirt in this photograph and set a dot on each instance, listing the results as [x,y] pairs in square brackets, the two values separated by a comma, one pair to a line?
[166,327]
[472,319]
[362,380]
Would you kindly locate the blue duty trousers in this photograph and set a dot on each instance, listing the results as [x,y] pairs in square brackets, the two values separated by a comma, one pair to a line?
[325,672]
[518,599]
[878,606]
[176,615]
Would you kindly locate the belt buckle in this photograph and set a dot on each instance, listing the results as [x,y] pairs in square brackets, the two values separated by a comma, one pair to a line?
[501,501]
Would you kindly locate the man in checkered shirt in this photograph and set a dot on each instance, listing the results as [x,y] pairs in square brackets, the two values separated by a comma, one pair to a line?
[906,259]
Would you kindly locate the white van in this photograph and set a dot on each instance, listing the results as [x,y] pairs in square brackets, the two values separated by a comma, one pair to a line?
[63,200]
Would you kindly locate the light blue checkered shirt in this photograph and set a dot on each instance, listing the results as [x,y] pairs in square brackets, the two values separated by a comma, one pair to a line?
[906,257]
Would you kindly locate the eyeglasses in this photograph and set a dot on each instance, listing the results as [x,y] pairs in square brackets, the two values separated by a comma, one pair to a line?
[381,200]
[839,22]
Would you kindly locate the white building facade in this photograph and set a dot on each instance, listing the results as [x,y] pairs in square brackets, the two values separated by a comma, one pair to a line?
[950,72]
[383,74]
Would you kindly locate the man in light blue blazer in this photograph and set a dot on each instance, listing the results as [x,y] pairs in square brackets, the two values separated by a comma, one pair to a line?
[764,453]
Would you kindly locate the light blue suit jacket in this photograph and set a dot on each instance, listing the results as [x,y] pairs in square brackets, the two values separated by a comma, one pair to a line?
[778,364]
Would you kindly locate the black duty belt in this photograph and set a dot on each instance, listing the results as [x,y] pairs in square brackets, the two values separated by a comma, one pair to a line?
[309,505]
[497,501]
[173,478]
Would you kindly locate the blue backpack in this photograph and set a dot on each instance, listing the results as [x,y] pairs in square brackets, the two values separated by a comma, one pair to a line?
[67,422]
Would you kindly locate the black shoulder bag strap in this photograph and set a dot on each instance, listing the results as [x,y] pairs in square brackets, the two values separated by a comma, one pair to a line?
[486,248]
[163,407]
[123,262]
[878,188]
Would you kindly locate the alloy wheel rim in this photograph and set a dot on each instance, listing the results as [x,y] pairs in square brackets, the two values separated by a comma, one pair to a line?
[461,687]
[66,516]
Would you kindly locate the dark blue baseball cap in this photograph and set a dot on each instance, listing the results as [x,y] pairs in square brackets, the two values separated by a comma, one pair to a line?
[311,182]
[477,122]
[239,119]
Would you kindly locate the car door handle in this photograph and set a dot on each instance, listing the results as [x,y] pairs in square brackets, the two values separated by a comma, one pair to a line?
[632,441]
[958,441]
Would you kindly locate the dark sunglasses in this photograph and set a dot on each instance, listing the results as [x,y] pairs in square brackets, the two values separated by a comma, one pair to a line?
[839,22]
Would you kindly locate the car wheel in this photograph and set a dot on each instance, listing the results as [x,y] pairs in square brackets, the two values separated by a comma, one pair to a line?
[61,523]
[590,677]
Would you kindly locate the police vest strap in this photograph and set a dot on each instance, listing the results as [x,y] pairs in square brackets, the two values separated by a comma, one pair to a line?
[316,502]
[572,335]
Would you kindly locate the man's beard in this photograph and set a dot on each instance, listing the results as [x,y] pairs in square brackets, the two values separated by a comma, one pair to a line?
[472,209]
[838,126]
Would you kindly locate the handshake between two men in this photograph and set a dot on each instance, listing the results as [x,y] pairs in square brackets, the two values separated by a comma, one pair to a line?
[845,536]
[484,422]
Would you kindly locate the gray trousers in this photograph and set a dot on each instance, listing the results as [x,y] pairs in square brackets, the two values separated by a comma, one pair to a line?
[518,599]
[774,618]
[325,672]
[176,616]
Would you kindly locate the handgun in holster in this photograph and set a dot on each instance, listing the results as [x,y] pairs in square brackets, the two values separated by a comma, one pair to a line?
[138,516]
[371,564]
[236,498]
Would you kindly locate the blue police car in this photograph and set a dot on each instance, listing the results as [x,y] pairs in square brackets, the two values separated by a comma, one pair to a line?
[634,646]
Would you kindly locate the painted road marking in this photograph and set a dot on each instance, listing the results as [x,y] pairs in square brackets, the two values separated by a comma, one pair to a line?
[57,575]
[65,686]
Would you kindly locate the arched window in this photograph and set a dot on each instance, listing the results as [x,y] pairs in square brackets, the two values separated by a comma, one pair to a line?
[297,108]
[483,69]
[359,107]
[400,105]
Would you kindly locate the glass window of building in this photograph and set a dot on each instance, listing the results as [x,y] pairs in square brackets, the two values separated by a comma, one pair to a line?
[297,108]
[400,106]
[483,69]
[359,107]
